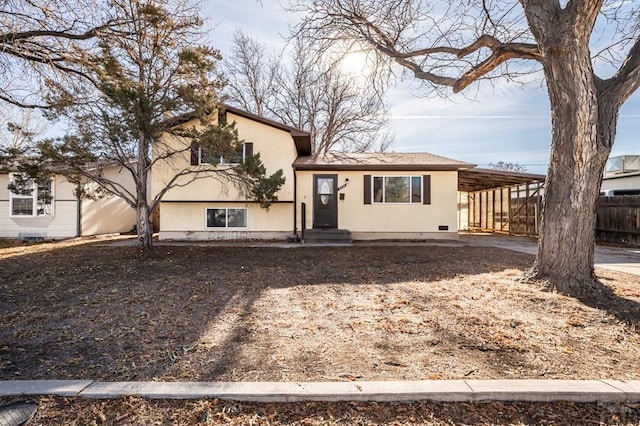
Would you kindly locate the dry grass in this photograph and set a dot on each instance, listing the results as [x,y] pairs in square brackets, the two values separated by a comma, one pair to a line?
[82,310]
[137,411]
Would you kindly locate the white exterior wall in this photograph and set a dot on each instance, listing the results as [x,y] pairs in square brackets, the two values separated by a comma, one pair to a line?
[102,216]
[631,181]
[387,221]
[62,224]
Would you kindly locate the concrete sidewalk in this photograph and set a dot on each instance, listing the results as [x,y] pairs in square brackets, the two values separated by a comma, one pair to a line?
[432,390]
[621,259]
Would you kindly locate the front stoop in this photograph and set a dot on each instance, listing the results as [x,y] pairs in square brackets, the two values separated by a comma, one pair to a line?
[335,236]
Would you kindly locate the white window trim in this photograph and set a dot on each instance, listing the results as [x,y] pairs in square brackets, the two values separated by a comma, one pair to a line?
[221,160]
[373,192]
[226,227]
[33,197]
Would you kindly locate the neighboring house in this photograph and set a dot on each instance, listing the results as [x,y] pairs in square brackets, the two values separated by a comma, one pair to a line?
[399,196]
[53,211]
[622,176]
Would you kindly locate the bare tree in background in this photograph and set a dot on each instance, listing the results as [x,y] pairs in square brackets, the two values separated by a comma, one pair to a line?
[454,44]
[508,167]
[310,92]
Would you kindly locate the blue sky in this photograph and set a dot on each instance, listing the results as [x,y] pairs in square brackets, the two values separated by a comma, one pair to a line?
[503,122]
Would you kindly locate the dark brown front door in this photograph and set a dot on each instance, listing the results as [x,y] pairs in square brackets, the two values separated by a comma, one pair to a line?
[325,201]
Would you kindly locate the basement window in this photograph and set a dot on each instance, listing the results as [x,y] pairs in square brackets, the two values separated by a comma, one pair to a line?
[226,218]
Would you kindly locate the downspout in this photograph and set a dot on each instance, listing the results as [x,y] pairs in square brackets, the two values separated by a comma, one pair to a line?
[79,211]
[295,202]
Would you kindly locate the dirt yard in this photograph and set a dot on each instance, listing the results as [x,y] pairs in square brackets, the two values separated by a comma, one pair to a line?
[136,411]
[84,310]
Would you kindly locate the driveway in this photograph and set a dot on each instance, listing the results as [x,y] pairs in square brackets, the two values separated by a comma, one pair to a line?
[621,259]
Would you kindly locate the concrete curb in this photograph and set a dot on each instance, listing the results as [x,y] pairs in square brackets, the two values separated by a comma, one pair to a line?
[431,390]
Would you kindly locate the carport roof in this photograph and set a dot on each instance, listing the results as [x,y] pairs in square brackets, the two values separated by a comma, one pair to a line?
[472,180]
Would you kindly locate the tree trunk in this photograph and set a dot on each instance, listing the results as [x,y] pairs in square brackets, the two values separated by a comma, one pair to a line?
[582,132]
[145,229]
[143,219]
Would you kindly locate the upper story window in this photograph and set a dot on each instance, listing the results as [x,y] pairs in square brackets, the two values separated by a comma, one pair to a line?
[397,189]
[200,157]
[36,200]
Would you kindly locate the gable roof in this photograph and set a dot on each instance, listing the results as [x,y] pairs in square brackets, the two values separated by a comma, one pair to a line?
[301,138]
[418,161]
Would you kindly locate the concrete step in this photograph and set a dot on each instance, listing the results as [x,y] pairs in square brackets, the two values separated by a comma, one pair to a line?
[328,236]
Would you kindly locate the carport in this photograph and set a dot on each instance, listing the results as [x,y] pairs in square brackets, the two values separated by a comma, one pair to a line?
[499,201]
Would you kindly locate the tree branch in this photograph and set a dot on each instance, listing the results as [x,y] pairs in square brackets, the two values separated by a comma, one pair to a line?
[626,81]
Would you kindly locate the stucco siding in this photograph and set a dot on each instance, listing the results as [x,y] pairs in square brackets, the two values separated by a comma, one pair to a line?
[188,221]
[109,214]
[374,220]
[276,149]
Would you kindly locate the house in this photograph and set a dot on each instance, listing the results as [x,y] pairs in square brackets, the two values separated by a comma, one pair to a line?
[373,196]
[54,211]
[621,176]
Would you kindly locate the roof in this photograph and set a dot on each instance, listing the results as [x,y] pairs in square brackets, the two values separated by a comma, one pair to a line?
[301,138]
[419,161]
[471,180]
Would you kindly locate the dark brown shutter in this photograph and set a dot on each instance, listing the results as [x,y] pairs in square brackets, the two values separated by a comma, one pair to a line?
[248,149]
[194,155]
[222,117]
[367,189]
[426,189]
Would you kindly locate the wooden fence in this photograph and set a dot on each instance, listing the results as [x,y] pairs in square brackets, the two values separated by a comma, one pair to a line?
[619,219]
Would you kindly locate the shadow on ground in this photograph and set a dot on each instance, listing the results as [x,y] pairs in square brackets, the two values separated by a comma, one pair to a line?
[188,313]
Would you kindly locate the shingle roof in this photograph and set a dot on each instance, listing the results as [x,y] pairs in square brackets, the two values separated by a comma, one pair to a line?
[379,161]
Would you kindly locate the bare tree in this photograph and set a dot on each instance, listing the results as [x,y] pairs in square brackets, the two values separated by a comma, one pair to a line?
[249,73]
[39,46]
[308,91]
[508,167]
[19,127]
[454,44]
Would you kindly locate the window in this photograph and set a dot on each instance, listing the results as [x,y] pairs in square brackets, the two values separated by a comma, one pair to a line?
[200,157]
[397,189]
[36,200]
[226,218]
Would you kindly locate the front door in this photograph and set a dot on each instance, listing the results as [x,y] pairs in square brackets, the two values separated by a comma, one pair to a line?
[325,201]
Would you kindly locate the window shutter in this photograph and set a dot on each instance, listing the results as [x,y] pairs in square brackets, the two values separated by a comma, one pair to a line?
[367,189]
[426,189]
[248,149]
[222,117]
[194,155]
